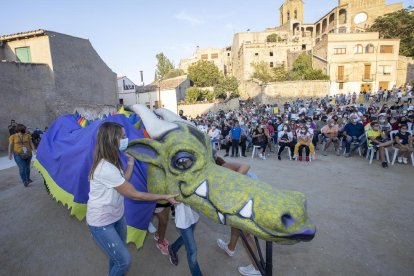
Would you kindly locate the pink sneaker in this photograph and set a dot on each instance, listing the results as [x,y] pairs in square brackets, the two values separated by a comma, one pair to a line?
[163,247]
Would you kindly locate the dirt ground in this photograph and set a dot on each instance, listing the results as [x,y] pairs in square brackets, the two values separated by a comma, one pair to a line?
[363,214]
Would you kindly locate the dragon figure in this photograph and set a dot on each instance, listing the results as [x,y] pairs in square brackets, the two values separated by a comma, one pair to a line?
[173,157]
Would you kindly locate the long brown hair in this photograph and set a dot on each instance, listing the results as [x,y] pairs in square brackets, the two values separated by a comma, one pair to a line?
[107,146]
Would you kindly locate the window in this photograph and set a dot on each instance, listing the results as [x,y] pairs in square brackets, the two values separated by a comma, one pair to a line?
[271,64]
[303,47]
[256,54]
[341,86]
[121,101]
[288,15]
[386,49]
[342,30]
[341,73]
[339,51]
[23,54]
[228,54]
[271,54]
[296,14]
[214,56]
[205,56]
[358,49]
[369,48]
[385,69]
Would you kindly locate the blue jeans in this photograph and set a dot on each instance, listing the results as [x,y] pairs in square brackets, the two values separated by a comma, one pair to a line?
[112,239]
[24,167]
[187,239]
[359,141]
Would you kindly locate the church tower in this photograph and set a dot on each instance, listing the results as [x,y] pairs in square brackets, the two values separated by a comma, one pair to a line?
[291,10]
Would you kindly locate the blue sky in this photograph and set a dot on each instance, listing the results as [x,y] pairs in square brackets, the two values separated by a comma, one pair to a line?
[128,34]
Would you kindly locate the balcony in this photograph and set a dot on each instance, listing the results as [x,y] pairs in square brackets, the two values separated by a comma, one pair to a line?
[367,77]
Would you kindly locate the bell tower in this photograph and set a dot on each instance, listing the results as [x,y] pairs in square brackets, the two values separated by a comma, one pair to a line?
[291,10]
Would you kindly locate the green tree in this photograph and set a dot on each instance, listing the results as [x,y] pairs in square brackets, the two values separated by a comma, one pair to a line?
[204,73]
[164,65]
[399,24]
[302,69]
[273,38]
[174,73]
[226,88]
[193,94]
[264,73]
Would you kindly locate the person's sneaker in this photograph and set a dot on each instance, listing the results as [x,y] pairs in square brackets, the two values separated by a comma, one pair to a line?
[347,154]
[173,256]
[157,238]
[300,158]
[244,155]
[226,155]
[152,229]
[279,158]
[400,159]
[163,247]
[307,158]
[225,246]
[324,153]
[338,153]
[30,181]
[248,270]
[405,160]
[264,157]
[384,164]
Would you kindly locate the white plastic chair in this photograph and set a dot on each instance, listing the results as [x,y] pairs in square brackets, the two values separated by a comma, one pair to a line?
[392,134]
[288,151]
[371,152]
[254,150]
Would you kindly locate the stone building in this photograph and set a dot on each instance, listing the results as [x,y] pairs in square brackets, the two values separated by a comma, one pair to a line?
[350,18]
[220,57]
[357,61]
[45,74]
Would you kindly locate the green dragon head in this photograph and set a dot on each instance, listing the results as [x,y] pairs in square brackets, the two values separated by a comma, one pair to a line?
[180,161]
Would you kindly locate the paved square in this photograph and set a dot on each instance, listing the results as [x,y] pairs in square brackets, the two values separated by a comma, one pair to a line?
[363,214]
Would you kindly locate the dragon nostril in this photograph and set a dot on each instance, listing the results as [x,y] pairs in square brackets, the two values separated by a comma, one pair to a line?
[287,220]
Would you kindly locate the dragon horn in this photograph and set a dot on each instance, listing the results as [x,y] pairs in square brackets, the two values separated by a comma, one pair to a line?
[154,126]
[170,116]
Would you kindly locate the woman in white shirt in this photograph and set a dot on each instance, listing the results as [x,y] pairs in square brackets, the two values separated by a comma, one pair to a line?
[108,184]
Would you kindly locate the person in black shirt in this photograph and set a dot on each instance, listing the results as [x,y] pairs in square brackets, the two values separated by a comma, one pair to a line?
[181,113]
[404,142]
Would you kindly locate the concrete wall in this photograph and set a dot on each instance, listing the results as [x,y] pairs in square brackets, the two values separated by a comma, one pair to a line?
[295,89]
[168,99]
[195,110]
[81,76]
[23,89]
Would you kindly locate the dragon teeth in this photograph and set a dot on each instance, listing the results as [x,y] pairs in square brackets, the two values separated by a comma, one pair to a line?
[202,189]
[221,217]
[247,210]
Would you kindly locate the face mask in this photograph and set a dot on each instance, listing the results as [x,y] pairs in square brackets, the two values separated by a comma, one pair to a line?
[285,128]
[382,121]
[354,120]
[308,124]
[123,144]
[403,130]
[331,124]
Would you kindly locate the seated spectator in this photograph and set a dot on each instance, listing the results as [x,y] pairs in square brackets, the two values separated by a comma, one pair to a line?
[260,139]
[330,133]
[285,139]
[304,141]
[404,142]
[354,134]
[378,140]
[214,135]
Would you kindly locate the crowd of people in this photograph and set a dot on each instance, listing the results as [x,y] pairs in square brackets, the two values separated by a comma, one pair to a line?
[347,123]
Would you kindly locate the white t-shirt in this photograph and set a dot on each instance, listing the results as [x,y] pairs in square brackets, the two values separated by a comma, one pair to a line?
[105,204]
[185,216]
[214,134]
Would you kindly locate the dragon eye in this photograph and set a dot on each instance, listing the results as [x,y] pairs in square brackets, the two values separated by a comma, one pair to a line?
[183,161]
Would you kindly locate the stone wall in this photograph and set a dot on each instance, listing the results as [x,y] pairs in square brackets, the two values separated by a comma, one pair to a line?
[268,93]
[81,76]
[23,90]
[194,110]
[405,70]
